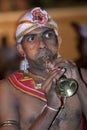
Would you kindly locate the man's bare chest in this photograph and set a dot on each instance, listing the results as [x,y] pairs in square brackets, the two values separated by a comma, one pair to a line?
[30,108]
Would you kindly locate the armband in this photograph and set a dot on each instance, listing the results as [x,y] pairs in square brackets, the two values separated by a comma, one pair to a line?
[9,123]
[51,108]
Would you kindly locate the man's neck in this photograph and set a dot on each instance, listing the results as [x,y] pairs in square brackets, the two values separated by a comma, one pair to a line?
[40,72]
[38,68]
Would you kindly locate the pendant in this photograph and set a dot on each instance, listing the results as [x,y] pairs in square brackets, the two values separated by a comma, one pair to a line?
[38,85]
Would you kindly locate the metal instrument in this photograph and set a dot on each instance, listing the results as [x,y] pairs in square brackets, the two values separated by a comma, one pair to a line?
[66,87]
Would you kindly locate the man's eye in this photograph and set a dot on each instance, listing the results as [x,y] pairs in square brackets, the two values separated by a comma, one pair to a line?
[30,38]
[48,35]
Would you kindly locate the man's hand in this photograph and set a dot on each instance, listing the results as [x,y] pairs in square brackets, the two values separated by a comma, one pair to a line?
[49,88]
[71,70]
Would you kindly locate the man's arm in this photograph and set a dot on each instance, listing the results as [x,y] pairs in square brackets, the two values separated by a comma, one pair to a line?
[72,72]
[46,118]
[82,91]
[8,114]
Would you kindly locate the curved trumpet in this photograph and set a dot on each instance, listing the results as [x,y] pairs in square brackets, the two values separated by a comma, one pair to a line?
[66,87]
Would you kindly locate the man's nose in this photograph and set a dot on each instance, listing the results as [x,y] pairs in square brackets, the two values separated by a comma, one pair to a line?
[42,43]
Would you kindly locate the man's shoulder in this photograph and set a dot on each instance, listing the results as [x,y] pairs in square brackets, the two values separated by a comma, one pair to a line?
[4,83]
[17,74]
[4,86]
[84,74]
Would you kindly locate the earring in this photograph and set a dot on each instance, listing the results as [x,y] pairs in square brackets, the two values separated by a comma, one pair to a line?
[58,55]
[24,65]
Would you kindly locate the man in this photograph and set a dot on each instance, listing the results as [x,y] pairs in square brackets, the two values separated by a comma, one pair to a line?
[30,98]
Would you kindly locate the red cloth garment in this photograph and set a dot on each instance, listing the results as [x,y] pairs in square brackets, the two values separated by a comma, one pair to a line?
[26,85]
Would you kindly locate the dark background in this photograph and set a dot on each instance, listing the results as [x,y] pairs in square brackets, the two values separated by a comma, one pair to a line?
[13,5]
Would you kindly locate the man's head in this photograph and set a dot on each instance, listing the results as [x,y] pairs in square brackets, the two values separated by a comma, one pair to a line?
[38,35]
[34,19]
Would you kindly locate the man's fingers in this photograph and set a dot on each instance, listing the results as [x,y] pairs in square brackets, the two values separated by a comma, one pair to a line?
[54,75]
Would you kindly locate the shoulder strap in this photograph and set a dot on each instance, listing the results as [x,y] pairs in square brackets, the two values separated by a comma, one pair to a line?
[26,85]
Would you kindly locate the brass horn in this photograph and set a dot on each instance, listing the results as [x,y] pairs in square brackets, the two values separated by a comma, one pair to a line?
[66,87]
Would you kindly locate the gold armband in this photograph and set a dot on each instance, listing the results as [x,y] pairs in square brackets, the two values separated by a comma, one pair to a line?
[9,123]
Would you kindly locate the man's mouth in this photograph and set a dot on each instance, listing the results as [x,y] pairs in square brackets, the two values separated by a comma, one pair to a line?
[45,59]
[45,56]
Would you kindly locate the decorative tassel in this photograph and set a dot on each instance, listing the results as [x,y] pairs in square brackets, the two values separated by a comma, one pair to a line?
[24,65]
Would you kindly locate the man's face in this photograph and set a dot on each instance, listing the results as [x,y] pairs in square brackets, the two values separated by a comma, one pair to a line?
[39,44]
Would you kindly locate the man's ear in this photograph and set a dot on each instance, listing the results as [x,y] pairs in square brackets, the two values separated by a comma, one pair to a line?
[20,50]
